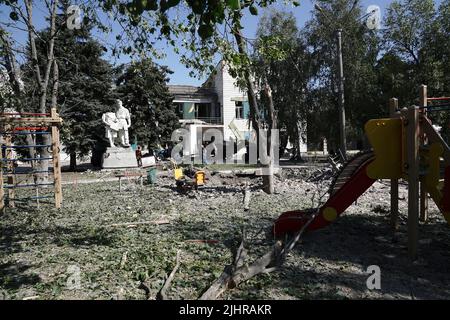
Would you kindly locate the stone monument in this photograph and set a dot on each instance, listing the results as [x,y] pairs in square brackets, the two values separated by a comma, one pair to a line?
[117,123]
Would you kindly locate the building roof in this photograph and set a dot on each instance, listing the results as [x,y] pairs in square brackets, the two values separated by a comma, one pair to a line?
[182,92]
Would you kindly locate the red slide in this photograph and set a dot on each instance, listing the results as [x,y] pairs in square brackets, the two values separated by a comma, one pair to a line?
[350,184]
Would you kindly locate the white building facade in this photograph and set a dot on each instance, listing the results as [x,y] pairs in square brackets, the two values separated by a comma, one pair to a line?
[217,104]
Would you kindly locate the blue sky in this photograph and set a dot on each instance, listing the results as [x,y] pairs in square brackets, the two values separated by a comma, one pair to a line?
[302,13]
[181,74]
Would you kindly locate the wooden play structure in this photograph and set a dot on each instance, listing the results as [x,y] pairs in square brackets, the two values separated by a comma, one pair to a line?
[404,146]
[12,125]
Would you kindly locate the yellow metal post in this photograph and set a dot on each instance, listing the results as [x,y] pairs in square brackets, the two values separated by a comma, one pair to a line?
[413,180]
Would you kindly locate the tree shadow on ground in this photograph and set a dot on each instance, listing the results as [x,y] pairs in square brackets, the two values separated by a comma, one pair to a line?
[13,237]
[358,241]
[83,167]
[332,263]
[13,276]
[205,189]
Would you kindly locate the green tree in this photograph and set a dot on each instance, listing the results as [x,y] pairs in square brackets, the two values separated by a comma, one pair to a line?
[417,39]
[441,46]
[441,49]
[410,26]
[282,59]
[360,50]
[43,68]
[143,88]
[84,85]
[207,29]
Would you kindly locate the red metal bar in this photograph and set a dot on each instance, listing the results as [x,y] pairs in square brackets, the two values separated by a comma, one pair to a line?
[438,98]
[30,128]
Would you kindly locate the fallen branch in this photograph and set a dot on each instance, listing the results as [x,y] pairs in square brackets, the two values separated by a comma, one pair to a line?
[239,272]
[233,275]
[134,224]
[162,293]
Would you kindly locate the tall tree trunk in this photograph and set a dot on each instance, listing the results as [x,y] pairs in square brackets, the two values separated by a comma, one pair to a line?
[268,180]
[54,104]
[255,112]
[251,92]
[10,64]
[43,82]
[16,84]
[73,161]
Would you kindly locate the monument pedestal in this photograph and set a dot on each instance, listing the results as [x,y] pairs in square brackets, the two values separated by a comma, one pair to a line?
[116,157]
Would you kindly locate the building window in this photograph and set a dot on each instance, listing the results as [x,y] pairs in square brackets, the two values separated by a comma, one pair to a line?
[179,109]
[202,110]
[239,107]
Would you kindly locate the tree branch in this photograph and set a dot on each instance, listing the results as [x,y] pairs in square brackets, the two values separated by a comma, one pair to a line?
[31,39]
[239,272]
[162,295]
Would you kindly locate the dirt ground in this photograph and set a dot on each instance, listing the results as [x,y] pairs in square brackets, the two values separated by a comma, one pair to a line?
[89,250]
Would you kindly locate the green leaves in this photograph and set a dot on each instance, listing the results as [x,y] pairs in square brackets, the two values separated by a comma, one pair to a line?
[136,7]
[173,3]
[14,16]
[272,48]
[205,31]
[233,4]
[164,5]
[165,30]
[151,5]
[253,10]
[142,84]
[135,20]
[197,6]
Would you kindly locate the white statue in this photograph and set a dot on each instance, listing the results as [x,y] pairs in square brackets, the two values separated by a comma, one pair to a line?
[123,115]
[112,127]
[117,125]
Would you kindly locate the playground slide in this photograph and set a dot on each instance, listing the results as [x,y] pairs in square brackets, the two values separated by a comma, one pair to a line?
[351,183]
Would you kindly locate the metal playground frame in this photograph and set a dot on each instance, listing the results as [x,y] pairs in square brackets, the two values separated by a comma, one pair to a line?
[24,123]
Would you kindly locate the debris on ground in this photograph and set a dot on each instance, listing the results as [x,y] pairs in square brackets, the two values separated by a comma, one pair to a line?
[107,245]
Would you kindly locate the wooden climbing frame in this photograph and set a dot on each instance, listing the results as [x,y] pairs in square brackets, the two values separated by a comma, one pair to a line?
[25,123]
[416,140]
